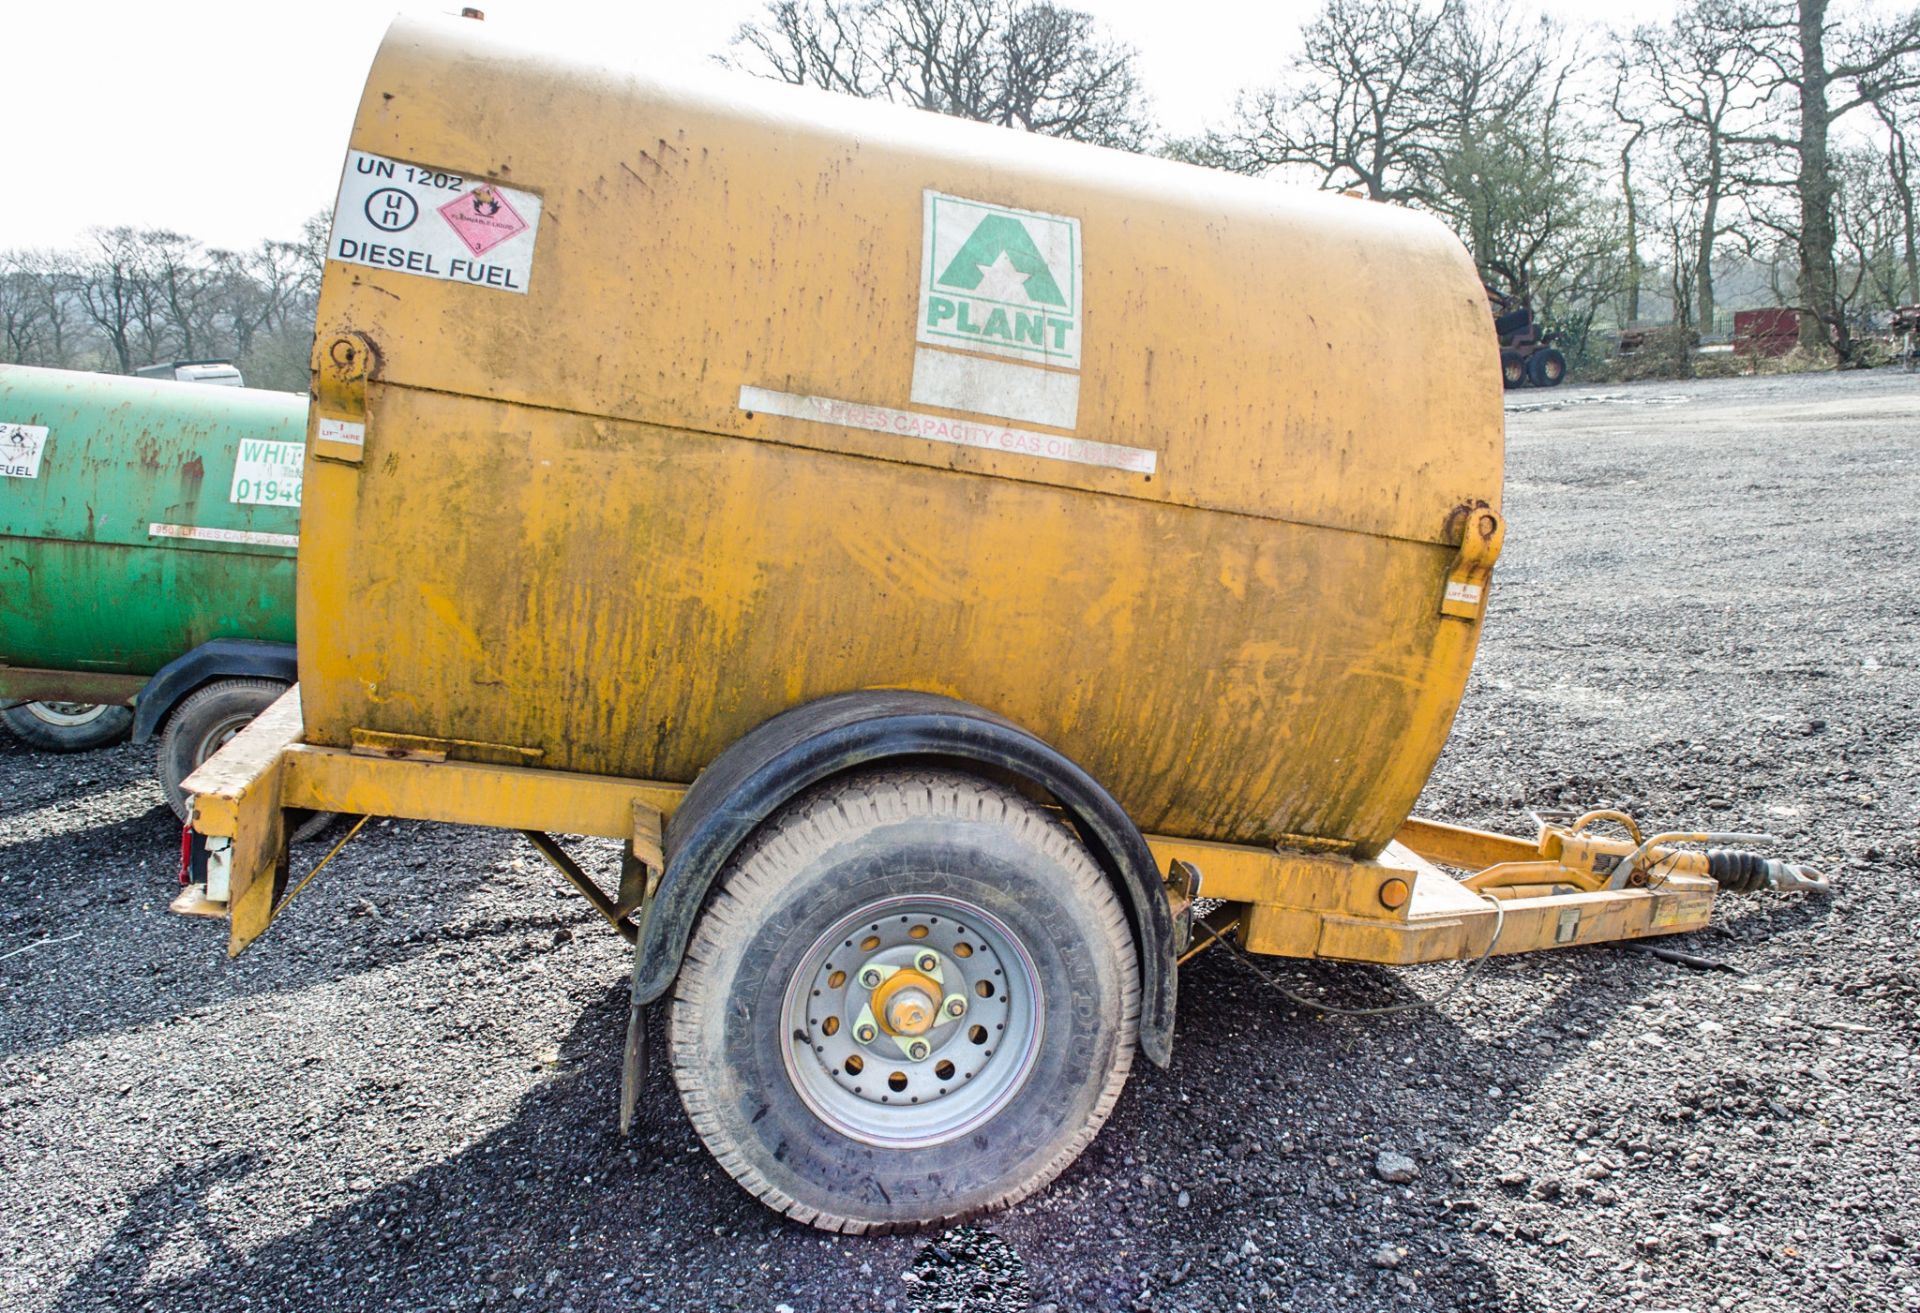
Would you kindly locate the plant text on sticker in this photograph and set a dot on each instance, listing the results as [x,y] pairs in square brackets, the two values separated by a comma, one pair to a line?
[1000,280]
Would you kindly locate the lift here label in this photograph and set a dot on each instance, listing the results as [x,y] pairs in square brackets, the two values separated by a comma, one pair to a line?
[20,448]
[1000,280]
[434,223]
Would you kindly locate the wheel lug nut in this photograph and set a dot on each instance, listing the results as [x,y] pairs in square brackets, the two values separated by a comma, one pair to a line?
[956,1007]
[870,978]
[929,963]
[865,1034]
[917,1050]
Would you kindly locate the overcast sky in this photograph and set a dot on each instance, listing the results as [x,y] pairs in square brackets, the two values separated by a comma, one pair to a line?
[227,119]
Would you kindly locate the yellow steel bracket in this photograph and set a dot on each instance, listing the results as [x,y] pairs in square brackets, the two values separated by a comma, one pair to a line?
[1481,531]
[337,428]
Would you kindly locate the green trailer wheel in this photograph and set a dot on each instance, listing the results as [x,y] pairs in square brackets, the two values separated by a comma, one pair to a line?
[67,726]
[141,519]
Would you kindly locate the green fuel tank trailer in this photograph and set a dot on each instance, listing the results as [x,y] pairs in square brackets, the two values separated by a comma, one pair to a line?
[147,540]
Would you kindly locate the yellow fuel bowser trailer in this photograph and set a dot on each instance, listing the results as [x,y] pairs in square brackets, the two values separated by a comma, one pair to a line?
[939,553]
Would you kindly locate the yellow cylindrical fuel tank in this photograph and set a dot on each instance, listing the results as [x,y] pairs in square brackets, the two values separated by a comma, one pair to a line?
[694,400]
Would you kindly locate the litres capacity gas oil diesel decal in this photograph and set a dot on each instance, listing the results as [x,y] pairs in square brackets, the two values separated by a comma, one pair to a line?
[434,223]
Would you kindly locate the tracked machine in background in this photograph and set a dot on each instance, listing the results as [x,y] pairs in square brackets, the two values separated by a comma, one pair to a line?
[1526,357]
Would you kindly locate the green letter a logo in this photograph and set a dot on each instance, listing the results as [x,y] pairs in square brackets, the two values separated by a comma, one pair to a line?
[997,235]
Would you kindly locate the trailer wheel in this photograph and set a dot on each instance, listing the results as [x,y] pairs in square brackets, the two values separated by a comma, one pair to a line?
[203,722]
[201,725]
[913,998]
[68,726]
[1513,369]
[1546,367]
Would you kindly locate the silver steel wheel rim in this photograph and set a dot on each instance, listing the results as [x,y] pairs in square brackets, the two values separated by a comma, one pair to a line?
[218,736]
[67,715]
[973,1064]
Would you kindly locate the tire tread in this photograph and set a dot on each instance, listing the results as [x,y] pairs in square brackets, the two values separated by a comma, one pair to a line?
[838,813]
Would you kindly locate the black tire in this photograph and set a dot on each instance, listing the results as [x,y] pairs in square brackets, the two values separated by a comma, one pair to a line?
[1512,322]
[203,720]
[1513,369]
[1009,878]
[1546,368]
[68,726]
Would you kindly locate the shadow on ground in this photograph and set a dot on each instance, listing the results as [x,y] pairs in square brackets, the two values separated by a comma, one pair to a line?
[1194,1196]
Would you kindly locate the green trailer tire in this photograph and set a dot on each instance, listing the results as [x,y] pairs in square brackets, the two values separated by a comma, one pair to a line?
[205,719]
[68,726]
[1031,978]
[203,722]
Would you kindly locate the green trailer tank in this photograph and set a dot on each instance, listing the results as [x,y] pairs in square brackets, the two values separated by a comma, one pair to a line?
[147,540]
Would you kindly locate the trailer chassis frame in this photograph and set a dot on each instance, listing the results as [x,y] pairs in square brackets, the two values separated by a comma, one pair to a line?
[1566,887]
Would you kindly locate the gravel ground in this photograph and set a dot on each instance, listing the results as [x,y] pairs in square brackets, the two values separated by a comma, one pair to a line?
[404,1096]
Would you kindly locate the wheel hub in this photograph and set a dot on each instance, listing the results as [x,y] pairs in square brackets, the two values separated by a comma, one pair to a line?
[906,1003]
[911,1020]
[66,714]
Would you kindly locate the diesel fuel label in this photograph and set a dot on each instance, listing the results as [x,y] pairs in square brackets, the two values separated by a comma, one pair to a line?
[435,223]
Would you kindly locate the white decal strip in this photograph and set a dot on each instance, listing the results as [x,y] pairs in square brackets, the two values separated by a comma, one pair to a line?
[344,431]
[995,387]
[245,536]
[941,428]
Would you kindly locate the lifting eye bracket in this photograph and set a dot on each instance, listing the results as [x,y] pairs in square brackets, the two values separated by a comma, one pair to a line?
[1479,530]
[342,364]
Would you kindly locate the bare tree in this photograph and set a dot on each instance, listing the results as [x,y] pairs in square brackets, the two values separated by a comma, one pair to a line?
[1026,64]
[1633,130]
[1711,89]
[21,311]
[187,288]
[50,283]
[1474,112]
[1867,224]
[1510,188]
[116,294]
[1899,114]
[1361,110]
[134,296]
[1827,68]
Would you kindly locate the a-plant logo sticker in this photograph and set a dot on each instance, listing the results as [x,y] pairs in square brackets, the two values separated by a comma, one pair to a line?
[1000,280]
